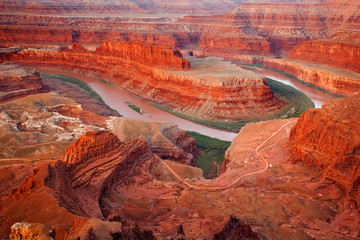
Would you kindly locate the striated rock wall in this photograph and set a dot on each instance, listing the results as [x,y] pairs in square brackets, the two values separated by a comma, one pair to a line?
[221,45]
[91,145]
[331,79]
[127,54]
[93,162]
[146,54]
[63,36]
[333,53]
[329,139]
[164,139]
[277,28]
[166,79]
[16,81]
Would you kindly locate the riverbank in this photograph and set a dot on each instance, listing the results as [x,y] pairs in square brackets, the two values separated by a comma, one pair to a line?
[117,99]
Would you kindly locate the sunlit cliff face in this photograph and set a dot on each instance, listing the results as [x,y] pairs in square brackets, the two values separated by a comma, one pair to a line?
[90,91]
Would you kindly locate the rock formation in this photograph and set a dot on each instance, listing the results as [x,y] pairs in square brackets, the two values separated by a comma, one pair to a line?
[91,145]
[279,26]
[94,161]
[328,139]
[342,53]
[16,81]
[42,125]
[211,89]
[73,188]
[236,229]
[164,139]
[129,185]
[31,231]
[331,79]
[135,6]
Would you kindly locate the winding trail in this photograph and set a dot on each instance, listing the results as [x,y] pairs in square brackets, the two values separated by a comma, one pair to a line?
[240,177]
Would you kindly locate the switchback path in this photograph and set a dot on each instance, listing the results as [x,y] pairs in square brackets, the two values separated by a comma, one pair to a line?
[240,177]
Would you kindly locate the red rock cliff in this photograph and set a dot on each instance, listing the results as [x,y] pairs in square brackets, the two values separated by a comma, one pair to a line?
[329,139]
[91,145]
[15,79]
[332,79]
[147,54]
[334,53]
[93,163]
[197,93]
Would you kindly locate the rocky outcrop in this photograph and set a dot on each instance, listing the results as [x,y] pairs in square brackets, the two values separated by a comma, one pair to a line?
[16,81]
[94,162]
[61,36]
[164,139]
[31,231]
[91,145]
[328,138]
[331,52]
[236,229]
[149,55]
[73,191]
[128,54]
[331,79]
[43,125]
[211,89]
[222,46]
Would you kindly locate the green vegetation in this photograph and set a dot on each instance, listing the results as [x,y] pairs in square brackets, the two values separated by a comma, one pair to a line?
[289,76]
[107,82]
[305,83]
[213,150]
[298,101]
[78,83]
[248,68]
[228,126]
[134,107]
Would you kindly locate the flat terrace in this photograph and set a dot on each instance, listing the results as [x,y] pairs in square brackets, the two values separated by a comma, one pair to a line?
[215,69]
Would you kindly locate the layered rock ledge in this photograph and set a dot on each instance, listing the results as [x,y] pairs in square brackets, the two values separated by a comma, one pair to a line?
[329,139]
[212,89]
[16,81]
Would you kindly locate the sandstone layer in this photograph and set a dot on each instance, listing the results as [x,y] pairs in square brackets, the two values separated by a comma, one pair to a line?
[164,139]
[16,81]
[134,6]
[340,54]
[39,125]
[128,185]
[281,26]
[42,125]
[328,139]
[331,79]
[211,89]
[250,28]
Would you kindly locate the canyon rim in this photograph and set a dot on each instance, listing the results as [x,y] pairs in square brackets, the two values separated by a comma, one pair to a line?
[224,119]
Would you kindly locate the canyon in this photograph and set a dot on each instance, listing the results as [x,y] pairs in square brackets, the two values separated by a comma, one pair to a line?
[198,88]
[88,144]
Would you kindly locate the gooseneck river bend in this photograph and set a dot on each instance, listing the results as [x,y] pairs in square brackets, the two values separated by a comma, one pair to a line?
[116,98]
